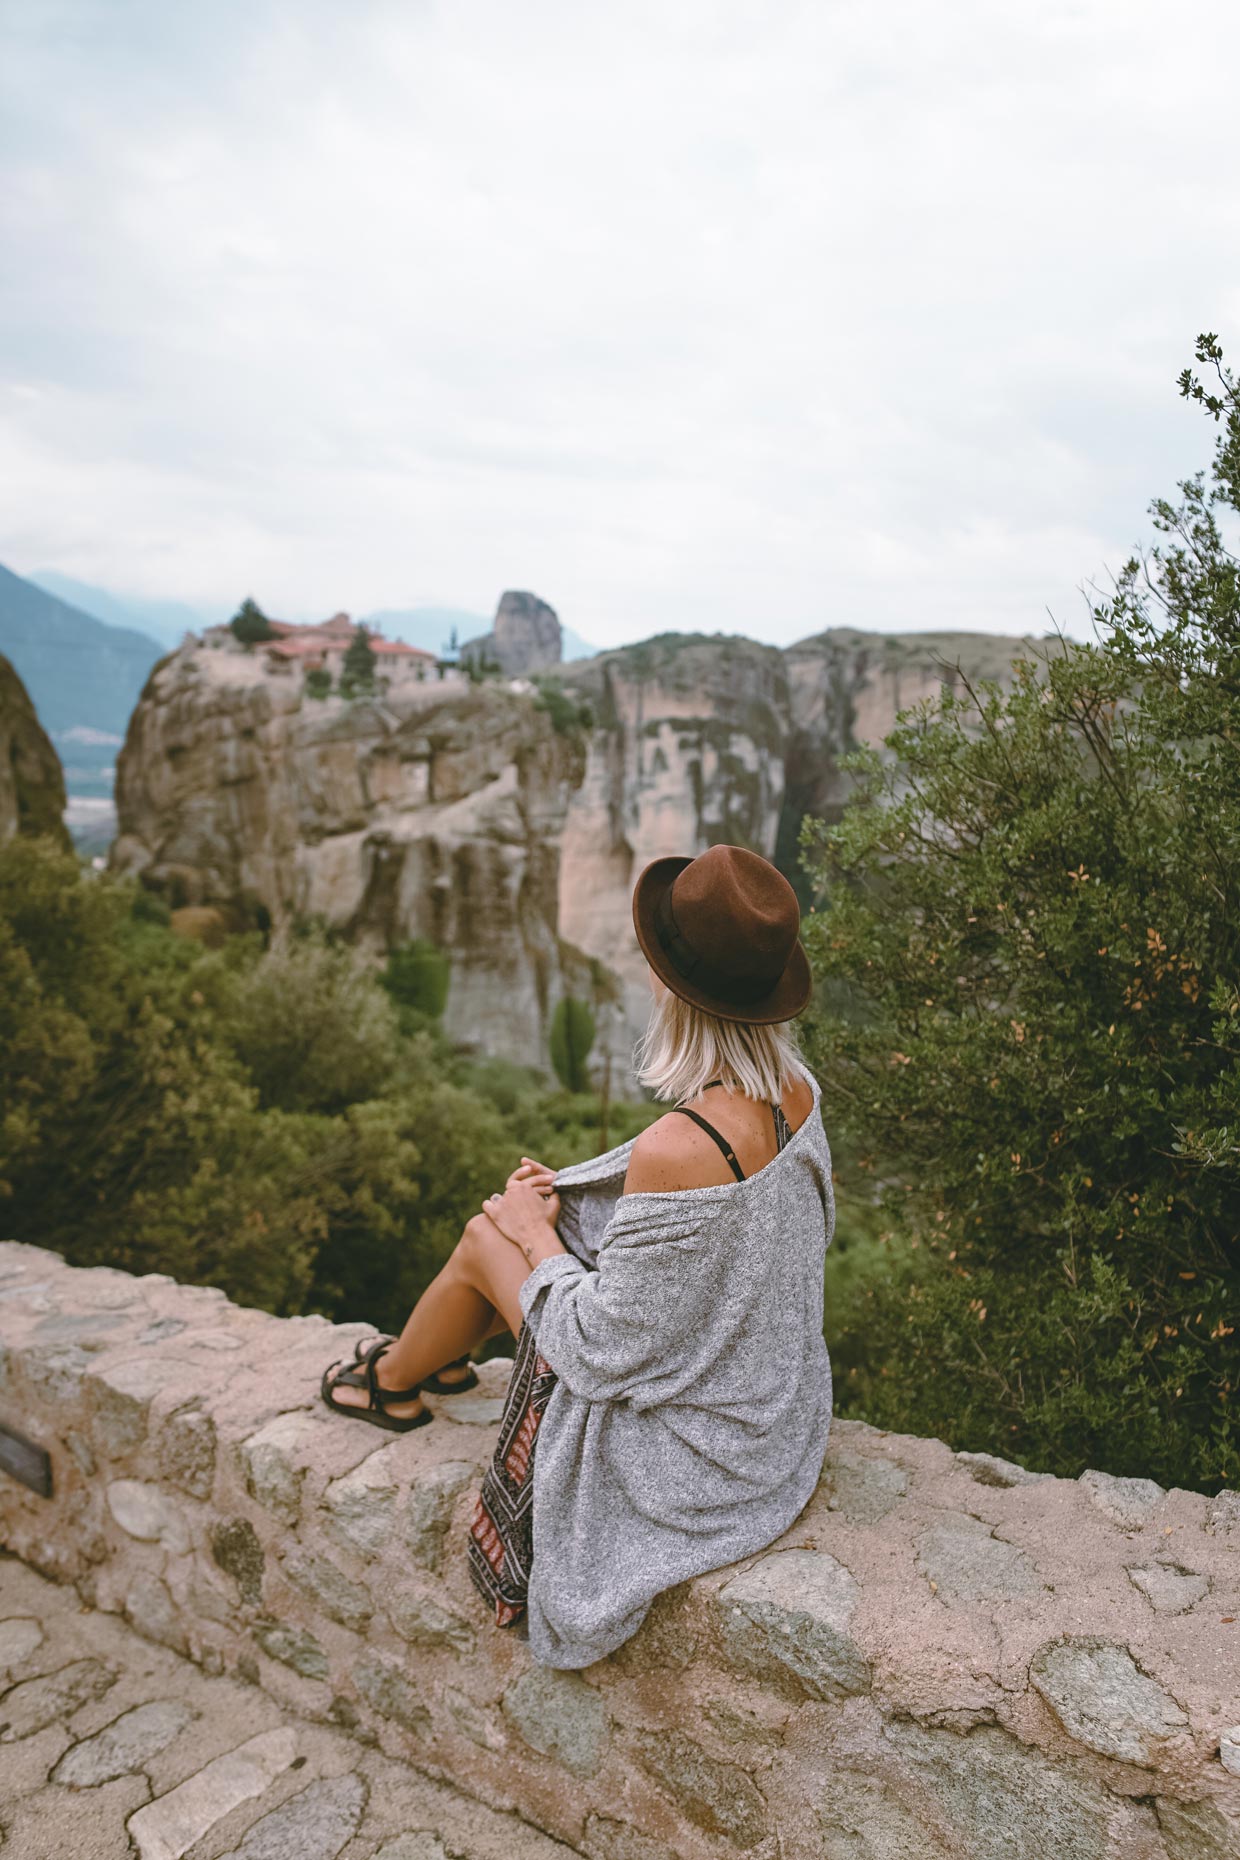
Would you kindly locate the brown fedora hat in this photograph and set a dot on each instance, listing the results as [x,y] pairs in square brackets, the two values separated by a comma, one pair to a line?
[721,931]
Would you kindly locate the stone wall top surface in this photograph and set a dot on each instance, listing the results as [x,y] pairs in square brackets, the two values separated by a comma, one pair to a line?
[945,1654]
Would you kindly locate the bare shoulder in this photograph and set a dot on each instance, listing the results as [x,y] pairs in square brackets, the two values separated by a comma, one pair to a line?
[673,1153]
[802,1102]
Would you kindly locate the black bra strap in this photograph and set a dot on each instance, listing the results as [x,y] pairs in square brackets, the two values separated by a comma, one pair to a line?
[722,1141]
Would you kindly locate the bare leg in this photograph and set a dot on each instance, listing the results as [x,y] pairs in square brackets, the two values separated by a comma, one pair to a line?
[472,1297]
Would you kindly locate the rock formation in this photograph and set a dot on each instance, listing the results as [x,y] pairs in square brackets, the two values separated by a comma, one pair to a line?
[524,638]
[32,783]
[700,738]
[460,812]
[431,810]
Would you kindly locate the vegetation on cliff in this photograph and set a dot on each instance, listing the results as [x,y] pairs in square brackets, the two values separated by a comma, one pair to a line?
[281,1121]
[1027,945]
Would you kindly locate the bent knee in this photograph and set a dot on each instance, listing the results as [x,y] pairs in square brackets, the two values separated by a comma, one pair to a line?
[479,1241]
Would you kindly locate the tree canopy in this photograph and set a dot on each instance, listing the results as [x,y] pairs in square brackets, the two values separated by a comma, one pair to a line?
[1026,939]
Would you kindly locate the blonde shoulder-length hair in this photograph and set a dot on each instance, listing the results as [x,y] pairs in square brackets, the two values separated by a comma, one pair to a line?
[684,1047]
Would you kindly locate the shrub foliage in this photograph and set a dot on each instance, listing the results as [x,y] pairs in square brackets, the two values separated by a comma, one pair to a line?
[1027,943]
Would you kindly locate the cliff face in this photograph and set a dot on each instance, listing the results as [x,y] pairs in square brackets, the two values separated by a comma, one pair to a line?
[430,811]
[688,748]
[703,738]
[458,812]
[32,783]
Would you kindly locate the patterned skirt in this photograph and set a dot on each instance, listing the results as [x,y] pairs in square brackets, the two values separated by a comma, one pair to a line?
[501,1537]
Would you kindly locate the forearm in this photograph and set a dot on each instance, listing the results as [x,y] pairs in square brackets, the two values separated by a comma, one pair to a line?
[534,1248]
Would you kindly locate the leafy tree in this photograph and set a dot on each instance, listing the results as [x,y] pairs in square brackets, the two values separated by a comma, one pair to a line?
[572,1036]
[250,624]
[416,976]
[1027,1024]
[247,1116]
[318,682]
[357,673]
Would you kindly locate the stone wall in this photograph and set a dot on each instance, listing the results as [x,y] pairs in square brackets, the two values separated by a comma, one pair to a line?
[944,1656]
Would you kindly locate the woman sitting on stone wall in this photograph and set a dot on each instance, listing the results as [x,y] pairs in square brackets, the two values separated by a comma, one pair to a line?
[666,1297]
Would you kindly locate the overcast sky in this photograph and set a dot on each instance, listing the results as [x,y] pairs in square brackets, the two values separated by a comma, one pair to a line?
[758,318]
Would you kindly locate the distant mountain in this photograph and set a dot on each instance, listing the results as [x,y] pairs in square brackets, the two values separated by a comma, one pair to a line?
[431,628]
[166,621]
[82,676]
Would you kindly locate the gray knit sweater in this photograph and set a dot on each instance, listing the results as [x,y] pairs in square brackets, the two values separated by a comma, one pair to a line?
[689,1422]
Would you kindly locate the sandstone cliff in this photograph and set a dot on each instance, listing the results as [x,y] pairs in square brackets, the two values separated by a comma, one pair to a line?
[431,810]
[458,811]
[32,783]
[699,738]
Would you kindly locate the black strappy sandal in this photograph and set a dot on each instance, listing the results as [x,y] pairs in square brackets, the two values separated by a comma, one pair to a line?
[376,1413]
[432,1383]
[437,1387]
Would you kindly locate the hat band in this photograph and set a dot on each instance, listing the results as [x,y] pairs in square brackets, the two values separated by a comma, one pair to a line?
[737,991]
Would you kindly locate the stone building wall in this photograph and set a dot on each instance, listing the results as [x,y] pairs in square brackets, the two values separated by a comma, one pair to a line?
[943,1656]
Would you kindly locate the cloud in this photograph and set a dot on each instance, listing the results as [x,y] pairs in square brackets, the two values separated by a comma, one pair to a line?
[757,319]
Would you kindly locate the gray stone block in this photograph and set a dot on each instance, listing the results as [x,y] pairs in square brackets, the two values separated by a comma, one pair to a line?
[144,1511]
[720,1797]
[430,1506]
[561,1716]
[318,1578]
[788,1620]
[57,1375]
[967,1563]
[187,1451]
[20,1636]
[863,1490]
[1168,1587]
[1198,1830]
[1128,1502]
[123,1746]
[33,1704]
[359,1510]
[293,1647]
[275,1467]
[1104,1700]
[150,1609]
[422,1621]
[121,1396]
[860,1818]
[986,1795]
[474,1721]
[385,1688]
[1223,1517]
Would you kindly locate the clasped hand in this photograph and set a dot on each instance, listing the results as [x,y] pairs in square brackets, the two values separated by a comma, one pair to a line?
[527,1210]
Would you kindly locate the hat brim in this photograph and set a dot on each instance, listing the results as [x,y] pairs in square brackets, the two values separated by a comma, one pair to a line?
[784,1001]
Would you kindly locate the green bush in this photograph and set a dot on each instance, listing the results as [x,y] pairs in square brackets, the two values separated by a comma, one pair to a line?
[318,682]
[260,1118]
[1027,1025]
[567,714]
[572,1036]
[416,976]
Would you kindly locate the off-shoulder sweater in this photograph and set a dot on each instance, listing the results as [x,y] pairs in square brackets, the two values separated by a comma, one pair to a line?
[689,1421]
